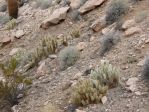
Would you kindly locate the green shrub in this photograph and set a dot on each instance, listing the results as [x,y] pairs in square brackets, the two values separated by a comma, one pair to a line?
[88,92]
[68,56]
[11,24]
[108,41]
[14,83]
[115,10]
[75,33]
[106,74]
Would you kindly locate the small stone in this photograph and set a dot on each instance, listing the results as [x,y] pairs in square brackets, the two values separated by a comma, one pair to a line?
[131,83]
[93,38]
[108,29]
[77,76]
[104,99]
[89,5]
[132,30]
[81,46]
[5,41]
[147,41]
[66,85]
[15,108]
[14,51]
[128,23]
[141,63]
[42,68]
[19,34]
[138,93]
[98,24]
[52,56]
[77,110]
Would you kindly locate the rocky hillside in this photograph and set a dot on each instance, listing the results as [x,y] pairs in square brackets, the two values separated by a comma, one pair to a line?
[75,56]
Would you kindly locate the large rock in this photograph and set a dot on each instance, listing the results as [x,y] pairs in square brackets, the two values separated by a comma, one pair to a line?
[55,18]
[90,4]
[6,40]
[98,24]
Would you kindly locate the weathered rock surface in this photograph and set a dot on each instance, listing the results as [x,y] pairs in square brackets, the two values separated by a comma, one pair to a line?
[55,18]
[90,4]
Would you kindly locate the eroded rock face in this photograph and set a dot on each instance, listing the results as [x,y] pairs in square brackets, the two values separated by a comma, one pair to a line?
[55,18]
[90,4]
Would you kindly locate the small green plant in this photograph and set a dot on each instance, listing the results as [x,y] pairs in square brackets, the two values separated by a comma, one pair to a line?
[107,75]
[75,33]
[14,82]
[116,9]
[68,56]
[131,59]
[108,41]
[11,24]
[47,46]
[88,92]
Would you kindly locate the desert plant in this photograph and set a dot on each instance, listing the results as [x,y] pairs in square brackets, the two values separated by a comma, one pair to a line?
[115,10]
[108,41]
[11,24]
[106,74]
[68,56]
[131,59]
[75,33]
[145,70]
[87,92]
[47,46]
[14,83]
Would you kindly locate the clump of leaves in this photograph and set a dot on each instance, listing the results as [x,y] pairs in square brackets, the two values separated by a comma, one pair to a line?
[116,9]
[106,74]
[11,24]
[88,92]
[108,41]
[68,56]
[14,83]
[75,33]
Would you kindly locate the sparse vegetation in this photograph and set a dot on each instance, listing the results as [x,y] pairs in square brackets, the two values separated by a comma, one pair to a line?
[108,41]
[145,71]
[107,75]
[11,24]
[88,92]
[68,56]
[75,33]
[116,9]
[48,46]
[13,84]
[131,59]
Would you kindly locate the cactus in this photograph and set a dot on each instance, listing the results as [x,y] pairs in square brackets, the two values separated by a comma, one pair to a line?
[106,74]
[87,92]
